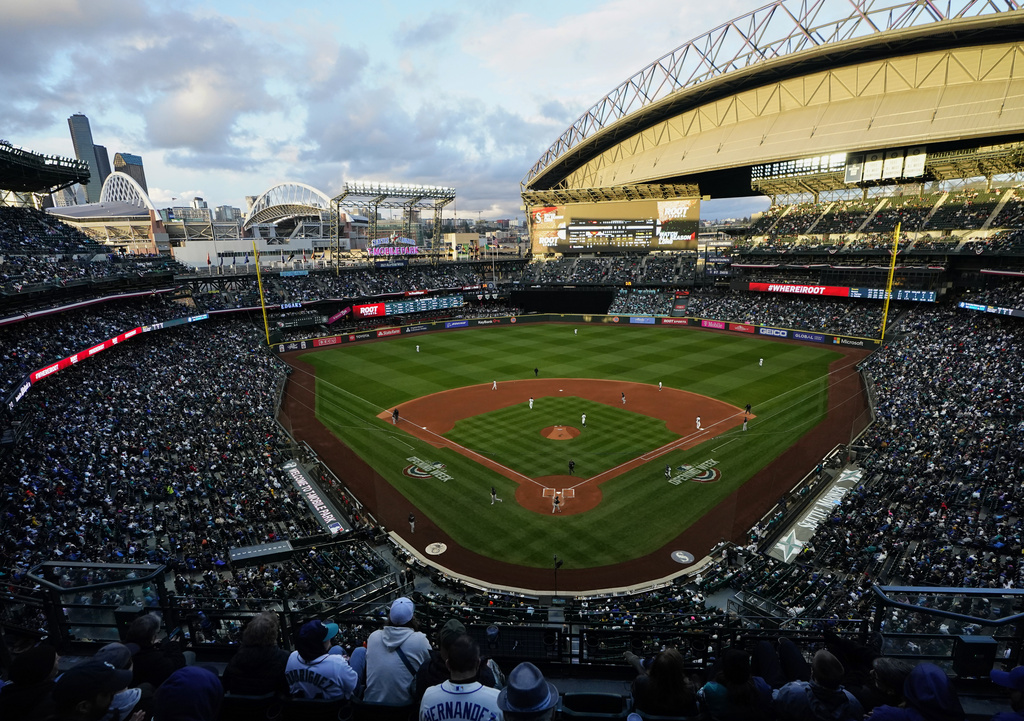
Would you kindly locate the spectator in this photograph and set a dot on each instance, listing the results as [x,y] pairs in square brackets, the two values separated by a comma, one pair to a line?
[318,670]
[393,656]
[471,700]
[734,694]
[85,692]
[528,696]
[435,670]
[886,683]
[154,661]
[822,698]
[259,665]
[120,656]
[189,694]
[31,674]
[1012,680]
[663,688]
[929,696]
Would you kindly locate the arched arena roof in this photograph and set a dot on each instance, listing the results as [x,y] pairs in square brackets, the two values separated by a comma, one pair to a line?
[287,200]
[793,79]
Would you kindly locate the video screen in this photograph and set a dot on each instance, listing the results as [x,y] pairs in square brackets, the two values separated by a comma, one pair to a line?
[616,226]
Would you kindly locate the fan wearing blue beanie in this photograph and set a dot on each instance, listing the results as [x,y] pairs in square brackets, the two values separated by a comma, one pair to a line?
[192,693]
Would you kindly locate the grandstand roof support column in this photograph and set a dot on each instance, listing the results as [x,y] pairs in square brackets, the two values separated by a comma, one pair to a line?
[435,239]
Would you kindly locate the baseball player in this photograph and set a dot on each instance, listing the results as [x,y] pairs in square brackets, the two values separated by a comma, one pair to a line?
[494,386]
[659,385]
[394,416]
[584,420]
[494,495]
[556,504]
[572,466]
[531,403]
[575,331]
[744,424]
[760,361]
[668,471]
[412,523]
[623,399]
[698,423]
[417,349]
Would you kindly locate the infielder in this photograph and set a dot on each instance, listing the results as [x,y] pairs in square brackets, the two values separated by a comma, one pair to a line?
[668,471]
[572,467]
[760,361]
[744,424]
[412,523]
[417,349]
[494,386]
[659,385]
[531,403]
[584,420]
[494,496]
[623,399]
[698,423]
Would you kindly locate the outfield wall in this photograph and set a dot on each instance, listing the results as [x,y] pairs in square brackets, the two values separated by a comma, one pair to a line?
[642,320]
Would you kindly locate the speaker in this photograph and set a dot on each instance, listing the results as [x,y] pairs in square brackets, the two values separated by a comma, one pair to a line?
[973,656]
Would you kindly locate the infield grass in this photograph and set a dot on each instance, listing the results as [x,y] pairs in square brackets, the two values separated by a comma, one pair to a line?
[640,511]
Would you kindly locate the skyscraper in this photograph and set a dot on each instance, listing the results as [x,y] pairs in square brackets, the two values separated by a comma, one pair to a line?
[81,138]
[131,165]
[103,160]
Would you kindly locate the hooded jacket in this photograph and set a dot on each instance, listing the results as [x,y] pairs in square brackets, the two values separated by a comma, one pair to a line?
[189,694]
[256,670]
[929,697]
[388,679]
[804,700]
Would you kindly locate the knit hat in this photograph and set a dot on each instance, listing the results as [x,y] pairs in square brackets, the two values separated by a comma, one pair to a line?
[189,693]
[527,691]
[828,670]
[401,611]
[33,665]
[1009,679]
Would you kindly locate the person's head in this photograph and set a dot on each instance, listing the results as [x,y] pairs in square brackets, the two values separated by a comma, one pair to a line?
[401,613]
[463,658]
[735,667]
[143,630]
[668,668]
[1014,681]
[827,670]
[191,693]
[527,695]
[314,639]
[33,666]
[450,631]
[262,630]
[86,690]
[928,691]
[117,654]
[889,674]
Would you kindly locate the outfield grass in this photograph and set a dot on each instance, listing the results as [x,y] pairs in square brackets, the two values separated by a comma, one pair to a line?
[640,511]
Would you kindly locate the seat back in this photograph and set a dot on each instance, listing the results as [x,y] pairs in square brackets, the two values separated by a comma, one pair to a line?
[369,711]
[241,707]
[594,706]
[317,709]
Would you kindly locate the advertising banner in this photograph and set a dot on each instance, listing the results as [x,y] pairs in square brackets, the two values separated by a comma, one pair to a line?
[832,290]
[456,324]
[812,337]
[320,342]
[741,328]
[316,499]
[675,321]
[717,324]
[369,310]
[340,314]
[641,320]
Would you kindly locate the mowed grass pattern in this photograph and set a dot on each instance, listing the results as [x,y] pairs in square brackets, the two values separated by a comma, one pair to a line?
[513,438]
[640,511]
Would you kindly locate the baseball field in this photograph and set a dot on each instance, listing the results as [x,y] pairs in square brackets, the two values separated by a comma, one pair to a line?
[643,473]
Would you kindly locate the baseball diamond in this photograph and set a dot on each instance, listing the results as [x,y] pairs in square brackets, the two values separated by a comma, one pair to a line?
[625,518]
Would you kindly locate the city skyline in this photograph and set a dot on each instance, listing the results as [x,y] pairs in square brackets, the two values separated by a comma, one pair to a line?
[226,99]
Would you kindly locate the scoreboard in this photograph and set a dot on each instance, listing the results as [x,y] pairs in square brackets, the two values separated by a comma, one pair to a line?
[410,305]
[842,291]
[922,296]
[617,234]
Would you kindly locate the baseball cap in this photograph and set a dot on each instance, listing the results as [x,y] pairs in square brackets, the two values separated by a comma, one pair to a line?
[401,611]
[84,681]
[451,630]
[317,630]
[527,691]
[1013,678]
[116,653]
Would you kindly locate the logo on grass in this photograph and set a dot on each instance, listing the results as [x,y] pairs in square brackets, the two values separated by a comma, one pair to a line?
[425,469]
[701,473]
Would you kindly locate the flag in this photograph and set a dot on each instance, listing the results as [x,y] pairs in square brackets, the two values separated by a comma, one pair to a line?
[247,259]
[303,256]
[234,260]
[208,259]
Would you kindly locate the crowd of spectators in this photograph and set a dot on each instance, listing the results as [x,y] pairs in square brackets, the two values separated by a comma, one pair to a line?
[641,301]
[823,315]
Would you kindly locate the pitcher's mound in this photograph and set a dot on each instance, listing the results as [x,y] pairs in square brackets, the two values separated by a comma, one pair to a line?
[560,433]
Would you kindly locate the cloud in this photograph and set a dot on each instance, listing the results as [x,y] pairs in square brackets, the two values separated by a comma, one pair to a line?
[429,31]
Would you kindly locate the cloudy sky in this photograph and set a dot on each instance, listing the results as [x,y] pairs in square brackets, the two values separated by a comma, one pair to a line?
[225,98]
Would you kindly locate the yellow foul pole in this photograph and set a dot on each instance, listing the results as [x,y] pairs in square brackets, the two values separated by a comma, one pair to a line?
[262,303]
[889,285]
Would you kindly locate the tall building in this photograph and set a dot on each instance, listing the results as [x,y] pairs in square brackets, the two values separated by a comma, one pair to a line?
[131,165]
[103,161]
[81,138]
